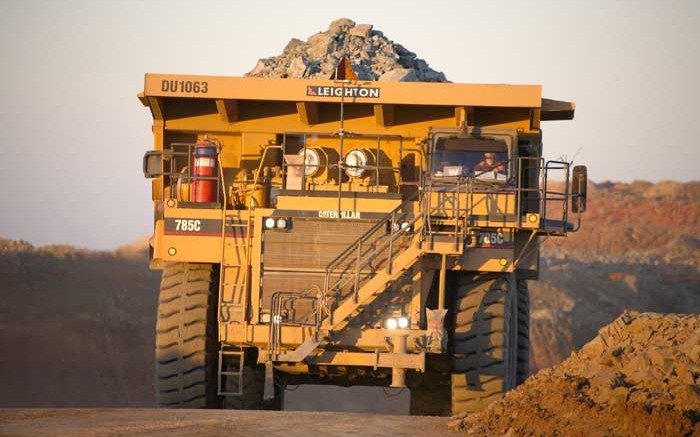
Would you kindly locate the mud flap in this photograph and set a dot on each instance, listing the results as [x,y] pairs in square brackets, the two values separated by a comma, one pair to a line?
[269,388]
[437,336]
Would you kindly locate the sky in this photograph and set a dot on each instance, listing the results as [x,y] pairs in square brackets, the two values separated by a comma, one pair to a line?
[72,132]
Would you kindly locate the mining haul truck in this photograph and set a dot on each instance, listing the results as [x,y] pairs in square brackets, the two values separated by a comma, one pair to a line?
[349,232]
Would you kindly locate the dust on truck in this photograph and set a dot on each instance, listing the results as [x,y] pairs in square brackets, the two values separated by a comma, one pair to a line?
[349,232]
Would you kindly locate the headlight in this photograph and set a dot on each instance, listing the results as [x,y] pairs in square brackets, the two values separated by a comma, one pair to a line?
[403,226]
[355,163]
[282,223]
[403,322]
[312,161]
[391,324]
[277,223]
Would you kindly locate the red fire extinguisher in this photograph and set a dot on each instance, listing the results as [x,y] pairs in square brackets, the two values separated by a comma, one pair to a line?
[204,172]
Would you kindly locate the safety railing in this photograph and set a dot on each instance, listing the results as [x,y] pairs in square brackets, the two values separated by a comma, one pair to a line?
[291,309]
[555,201]
[449,198]
[371,252]
[531,188]
[550,198]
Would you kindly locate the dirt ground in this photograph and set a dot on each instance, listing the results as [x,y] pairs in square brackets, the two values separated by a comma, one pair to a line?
[639,377]
[229,423]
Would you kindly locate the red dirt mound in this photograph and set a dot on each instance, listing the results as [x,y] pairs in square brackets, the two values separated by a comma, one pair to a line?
[639,376]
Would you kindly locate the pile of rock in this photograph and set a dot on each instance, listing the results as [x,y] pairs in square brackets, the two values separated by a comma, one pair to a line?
[371,54]
[639,376]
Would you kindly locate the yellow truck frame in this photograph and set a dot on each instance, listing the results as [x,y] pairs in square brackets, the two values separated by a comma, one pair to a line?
[351,239]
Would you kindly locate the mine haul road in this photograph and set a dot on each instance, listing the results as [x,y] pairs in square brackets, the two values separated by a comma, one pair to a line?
[229,423]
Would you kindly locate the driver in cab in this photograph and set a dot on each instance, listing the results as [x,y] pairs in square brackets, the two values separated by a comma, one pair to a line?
[489,165]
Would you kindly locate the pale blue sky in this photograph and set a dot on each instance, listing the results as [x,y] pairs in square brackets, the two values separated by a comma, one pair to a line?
[73,133]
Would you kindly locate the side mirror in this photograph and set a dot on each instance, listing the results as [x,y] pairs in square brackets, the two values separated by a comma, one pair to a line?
[579,184]
[152,164]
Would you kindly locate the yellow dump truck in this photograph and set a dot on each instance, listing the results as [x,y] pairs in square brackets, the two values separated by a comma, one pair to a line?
[349,232]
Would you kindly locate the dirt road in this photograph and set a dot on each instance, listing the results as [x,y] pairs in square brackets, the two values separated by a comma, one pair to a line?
[229,423]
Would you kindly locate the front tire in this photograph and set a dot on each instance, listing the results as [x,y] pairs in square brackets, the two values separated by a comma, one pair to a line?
[187,338]
[523,369]
[484,340]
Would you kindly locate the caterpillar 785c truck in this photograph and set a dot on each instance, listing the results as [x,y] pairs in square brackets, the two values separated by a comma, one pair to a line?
[349,232]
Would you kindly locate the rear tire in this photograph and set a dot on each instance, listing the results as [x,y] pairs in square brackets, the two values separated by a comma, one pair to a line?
[484,339]
[187,338]
[523,369]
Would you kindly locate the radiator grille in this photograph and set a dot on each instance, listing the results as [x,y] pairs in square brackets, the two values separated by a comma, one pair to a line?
[310,244]
[295,260]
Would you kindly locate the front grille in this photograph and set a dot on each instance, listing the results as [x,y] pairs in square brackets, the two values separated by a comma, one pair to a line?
[310,244]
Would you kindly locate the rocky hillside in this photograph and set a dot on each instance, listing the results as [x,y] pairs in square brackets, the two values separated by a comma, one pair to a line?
[639,376]
[638,249]
[76,326]
[640,221]
[372,56]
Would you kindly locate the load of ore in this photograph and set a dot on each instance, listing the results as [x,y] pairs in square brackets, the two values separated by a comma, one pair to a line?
[371,55]
[639,376]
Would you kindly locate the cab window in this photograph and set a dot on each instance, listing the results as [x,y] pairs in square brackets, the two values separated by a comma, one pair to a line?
[470,157]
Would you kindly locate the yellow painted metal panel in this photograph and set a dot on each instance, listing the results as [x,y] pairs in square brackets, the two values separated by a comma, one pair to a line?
[296,90]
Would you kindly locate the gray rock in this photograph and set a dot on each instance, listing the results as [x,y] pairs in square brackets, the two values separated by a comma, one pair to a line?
[340,25]
[432,76]
[372,56]
[293,43]
[421,64]
[259,67]
[320,45]
[361,30]
[363,72]
[399,75]
[312,68]
[297,68]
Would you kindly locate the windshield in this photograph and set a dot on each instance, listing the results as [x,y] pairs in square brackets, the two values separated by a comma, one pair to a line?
[469,157]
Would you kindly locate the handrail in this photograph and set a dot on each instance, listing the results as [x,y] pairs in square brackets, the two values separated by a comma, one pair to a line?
[222,247]
[356,248]
[372,229]
[278,301]
[342,282]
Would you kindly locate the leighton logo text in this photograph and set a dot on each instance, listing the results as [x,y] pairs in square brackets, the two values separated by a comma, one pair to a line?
[337,91]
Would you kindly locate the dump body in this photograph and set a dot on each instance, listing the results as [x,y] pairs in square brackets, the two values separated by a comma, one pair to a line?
[341,205]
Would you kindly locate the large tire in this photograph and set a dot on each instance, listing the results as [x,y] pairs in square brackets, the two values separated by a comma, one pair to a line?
[186,337]
[523,368]
[484,340]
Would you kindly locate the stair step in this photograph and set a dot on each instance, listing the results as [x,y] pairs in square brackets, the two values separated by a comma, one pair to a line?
[369,291]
